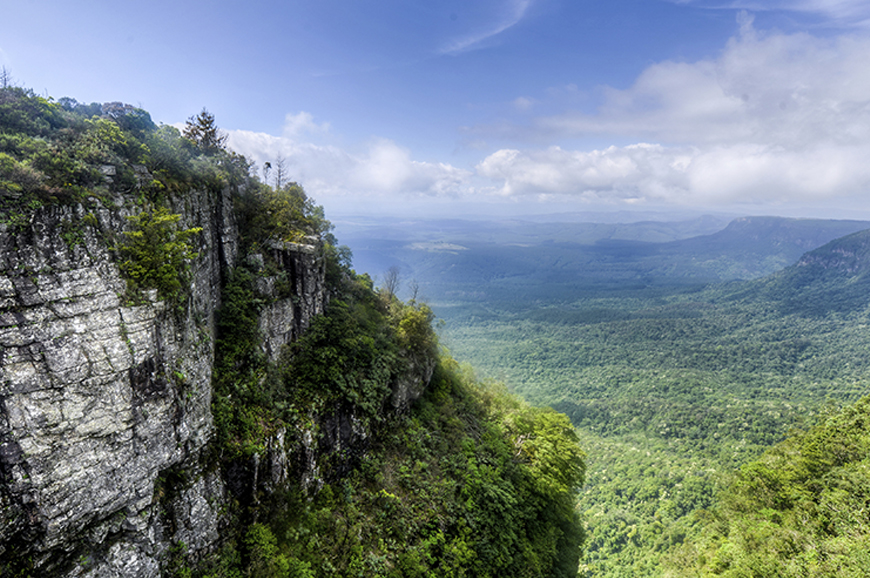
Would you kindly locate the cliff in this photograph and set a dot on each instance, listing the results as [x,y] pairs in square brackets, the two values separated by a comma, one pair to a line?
[98,396]
[101,399]
[194,382]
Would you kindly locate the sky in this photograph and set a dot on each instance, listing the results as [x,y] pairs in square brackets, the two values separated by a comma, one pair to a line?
[492,107]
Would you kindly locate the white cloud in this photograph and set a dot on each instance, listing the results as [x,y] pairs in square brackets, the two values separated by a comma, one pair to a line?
[844,13]
[297,125]
[774,117]
[523,104]
[770,88]
[387,167]
[380,168]
[511,14]
[683,175]
[627,172]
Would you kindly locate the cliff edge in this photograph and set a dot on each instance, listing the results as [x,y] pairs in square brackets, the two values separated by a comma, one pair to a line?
[194,382]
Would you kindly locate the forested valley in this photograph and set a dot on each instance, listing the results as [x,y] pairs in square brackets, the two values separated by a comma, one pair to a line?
[689,366]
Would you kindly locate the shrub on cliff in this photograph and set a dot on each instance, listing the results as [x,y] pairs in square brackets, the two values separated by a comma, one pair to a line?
[473,483]
[280,214]
[156,253]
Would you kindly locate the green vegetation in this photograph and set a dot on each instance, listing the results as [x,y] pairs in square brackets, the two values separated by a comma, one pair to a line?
[156,253]
[469,481]
[54,152]
[798,510]
[677,388]
[351,354]
[472,483]
[674,387]
[65,152]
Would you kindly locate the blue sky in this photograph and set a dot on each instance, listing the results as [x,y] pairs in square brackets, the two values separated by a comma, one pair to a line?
[495,106]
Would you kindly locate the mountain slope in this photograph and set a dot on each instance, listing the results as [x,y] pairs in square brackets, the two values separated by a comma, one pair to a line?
[834,278]
[798,510]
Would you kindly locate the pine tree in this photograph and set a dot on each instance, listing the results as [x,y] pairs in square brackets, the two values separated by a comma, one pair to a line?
[204,133]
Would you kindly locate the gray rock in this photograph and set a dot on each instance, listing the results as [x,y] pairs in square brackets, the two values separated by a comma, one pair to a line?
[105,405]
[98,397]
[286,317]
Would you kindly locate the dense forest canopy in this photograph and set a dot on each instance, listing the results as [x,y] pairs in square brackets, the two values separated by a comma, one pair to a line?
[798,510]
[673,388]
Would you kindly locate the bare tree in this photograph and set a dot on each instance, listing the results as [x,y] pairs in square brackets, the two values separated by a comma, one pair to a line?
[391,281]
[415,288]
[5,77]
[280,172]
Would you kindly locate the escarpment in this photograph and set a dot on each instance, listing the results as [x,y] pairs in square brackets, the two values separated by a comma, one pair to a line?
[194,381]
[106,423]
[99,395]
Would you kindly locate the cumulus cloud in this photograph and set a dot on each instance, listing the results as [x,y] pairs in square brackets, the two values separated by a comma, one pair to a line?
[775,116]
[773,88]
[380,167]
[301,124]
[683,175]
[627,172]
[387,167]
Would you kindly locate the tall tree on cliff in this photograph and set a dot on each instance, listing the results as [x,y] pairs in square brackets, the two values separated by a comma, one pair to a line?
[204,133]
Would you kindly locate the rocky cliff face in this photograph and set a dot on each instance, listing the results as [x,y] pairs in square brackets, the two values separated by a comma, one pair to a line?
[98,396]
[301,271]
[105,406]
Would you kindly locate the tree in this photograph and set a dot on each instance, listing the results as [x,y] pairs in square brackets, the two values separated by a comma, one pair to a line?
[204,133]
[391,282]
[5,78]
[156,251]
[280,172]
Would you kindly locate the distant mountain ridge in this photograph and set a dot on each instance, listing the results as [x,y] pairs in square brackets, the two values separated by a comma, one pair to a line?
[752,247]
[501,259]
[765,233]
[832,278]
